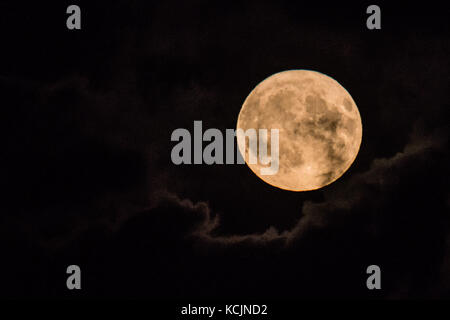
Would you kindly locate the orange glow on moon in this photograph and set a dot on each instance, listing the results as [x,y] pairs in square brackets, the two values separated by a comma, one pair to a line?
[320,129]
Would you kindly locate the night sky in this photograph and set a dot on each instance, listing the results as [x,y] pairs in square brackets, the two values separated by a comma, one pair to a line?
[87,177]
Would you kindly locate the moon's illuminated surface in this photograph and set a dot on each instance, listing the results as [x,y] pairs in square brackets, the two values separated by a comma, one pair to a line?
[319,124]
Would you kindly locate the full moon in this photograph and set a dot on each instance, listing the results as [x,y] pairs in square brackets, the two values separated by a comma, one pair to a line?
[319,125]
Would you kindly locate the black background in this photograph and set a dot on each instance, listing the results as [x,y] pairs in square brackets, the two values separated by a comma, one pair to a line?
[87,177]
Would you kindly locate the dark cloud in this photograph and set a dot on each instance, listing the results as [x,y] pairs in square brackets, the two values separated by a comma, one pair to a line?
[183,236]
[370,187]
